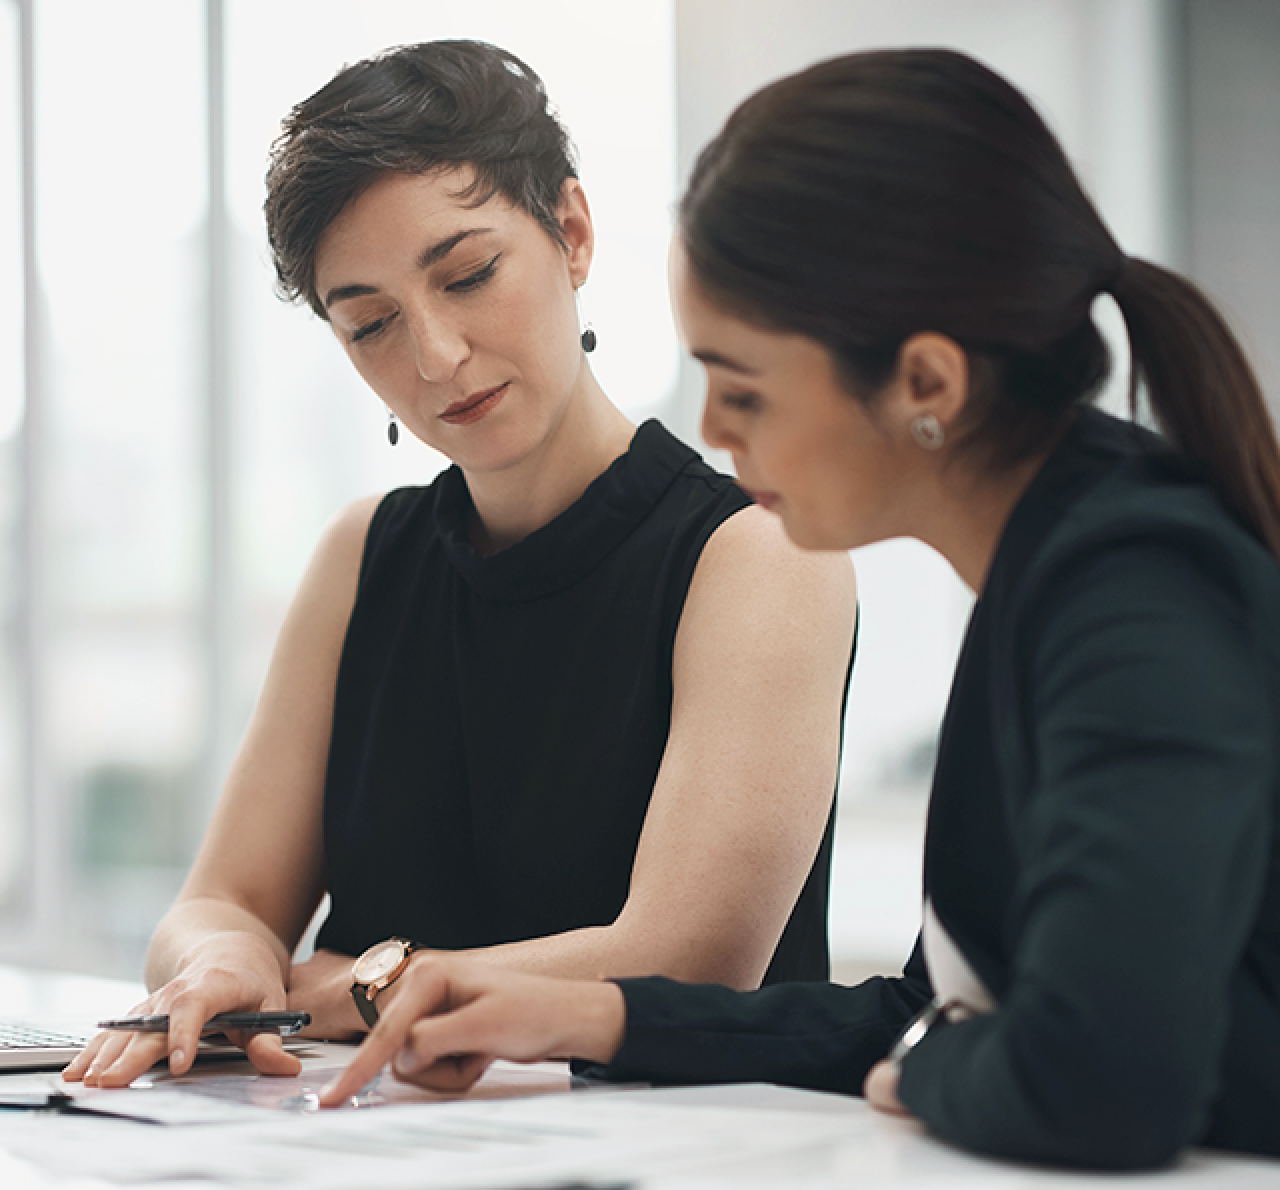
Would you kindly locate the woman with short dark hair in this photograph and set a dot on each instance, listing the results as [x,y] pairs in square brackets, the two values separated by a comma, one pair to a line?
[574,707]
[888,268]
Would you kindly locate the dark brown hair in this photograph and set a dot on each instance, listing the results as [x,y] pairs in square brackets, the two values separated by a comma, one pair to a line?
[881,194]
[412,110]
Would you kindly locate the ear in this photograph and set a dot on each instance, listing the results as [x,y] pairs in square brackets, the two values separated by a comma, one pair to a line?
[932,377]
[578,230]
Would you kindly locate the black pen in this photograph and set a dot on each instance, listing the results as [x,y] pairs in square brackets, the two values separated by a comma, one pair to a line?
[284,1023]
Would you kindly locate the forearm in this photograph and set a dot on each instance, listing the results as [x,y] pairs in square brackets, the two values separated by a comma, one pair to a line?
[587,953]
[322,985]
[814,1035]
[195,922]
[627,950]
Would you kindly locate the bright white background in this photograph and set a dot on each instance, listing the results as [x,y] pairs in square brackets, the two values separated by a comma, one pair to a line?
[107,756]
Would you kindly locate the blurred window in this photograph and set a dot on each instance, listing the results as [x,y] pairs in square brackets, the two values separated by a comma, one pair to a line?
[122,219]
[189,435]
[13,820]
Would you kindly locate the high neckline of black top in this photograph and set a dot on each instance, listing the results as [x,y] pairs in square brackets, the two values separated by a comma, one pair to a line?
[570,546]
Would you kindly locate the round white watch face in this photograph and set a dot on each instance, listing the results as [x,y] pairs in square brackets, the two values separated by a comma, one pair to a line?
[378,961]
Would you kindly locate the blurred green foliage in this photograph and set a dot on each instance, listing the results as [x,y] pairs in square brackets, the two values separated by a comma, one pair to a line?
[135,817]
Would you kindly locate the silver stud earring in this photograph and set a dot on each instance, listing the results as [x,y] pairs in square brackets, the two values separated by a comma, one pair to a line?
[393,428]
[928,432]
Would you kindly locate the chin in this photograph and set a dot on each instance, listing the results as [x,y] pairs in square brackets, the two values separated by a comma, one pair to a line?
[816,537]
[495,445]
[802,533]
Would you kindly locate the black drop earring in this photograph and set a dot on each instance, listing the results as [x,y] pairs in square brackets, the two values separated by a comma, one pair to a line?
[393,428]
[588,337]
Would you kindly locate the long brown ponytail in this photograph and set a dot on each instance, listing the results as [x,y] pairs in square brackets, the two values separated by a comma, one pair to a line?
[884,193]
[1202,391]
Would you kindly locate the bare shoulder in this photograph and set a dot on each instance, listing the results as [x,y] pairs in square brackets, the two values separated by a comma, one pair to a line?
[750,554]
[342,542]
[331,576]
[757,595]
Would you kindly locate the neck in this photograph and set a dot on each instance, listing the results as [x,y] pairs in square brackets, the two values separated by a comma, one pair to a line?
[517,500]
[965,515]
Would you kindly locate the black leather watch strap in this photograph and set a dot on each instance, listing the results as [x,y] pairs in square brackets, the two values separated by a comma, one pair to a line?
[367,1009]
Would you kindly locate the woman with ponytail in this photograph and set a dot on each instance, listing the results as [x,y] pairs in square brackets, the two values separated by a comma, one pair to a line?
[888,269]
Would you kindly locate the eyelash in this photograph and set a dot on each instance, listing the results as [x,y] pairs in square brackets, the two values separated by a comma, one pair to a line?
[741,402]
[476,279]
[370,329]
[484,273]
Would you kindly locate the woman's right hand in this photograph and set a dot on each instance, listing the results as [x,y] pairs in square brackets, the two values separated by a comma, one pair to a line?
[452,1016]
[234,971]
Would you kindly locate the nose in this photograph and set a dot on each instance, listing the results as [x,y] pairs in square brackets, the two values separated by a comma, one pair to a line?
[440,347]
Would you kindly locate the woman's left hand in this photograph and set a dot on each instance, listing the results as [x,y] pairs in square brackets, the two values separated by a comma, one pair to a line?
[881,1089]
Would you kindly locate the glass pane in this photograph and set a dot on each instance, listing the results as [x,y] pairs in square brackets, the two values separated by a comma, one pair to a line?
[310,436]
[13,824]
[121,257]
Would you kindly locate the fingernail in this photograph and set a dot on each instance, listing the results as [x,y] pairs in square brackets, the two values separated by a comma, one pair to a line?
[176,1058]
[406,1061]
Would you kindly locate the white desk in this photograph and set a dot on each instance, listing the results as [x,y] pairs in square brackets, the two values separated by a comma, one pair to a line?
[697,1138]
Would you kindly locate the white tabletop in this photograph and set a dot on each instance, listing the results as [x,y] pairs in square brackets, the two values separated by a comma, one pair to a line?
[662,1138]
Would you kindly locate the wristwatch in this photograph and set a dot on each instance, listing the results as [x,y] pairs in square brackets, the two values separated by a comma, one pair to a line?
[916,1030]
[381,965]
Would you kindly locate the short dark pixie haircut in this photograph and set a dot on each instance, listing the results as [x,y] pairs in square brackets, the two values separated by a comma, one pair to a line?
[412,110]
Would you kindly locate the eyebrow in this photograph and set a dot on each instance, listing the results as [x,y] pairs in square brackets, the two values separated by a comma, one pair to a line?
[429,256]
[714,359]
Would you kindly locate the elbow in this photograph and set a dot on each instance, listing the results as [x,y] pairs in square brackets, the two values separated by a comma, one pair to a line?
[1124,1123]
[687,957]
[1139,1150]
[693,962]
[1130,1144]
[1138,1111]
[730,975]
[1091,1138]
[1080,1106]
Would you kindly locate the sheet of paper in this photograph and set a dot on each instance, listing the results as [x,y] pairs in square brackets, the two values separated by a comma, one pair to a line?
[203,1097]
[489,1144]
[301,1094]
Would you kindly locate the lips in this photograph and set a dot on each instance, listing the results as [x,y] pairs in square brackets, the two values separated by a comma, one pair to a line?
[473,408]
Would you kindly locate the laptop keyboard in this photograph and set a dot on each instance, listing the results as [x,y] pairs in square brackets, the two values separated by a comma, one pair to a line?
[22,1037]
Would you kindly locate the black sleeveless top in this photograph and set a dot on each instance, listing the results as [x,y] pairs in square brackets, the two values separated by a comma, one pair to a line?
[499,721]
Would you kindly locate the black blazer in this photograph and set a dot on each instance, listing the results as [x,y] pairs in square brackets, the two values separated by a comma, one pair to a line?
[1102,846]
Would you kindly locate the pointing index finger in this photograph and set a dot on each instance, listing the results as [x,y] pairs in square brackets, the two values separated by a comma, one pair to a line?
[425,990]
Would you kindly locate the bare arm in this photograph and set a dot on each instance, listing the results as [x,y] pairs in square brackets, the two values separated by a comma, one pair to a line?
[225,944]
[745,785]
[746,781]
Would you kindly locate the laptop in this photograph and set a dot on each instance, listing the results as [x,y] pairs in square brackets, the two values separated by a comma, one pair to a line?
[25,1045]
